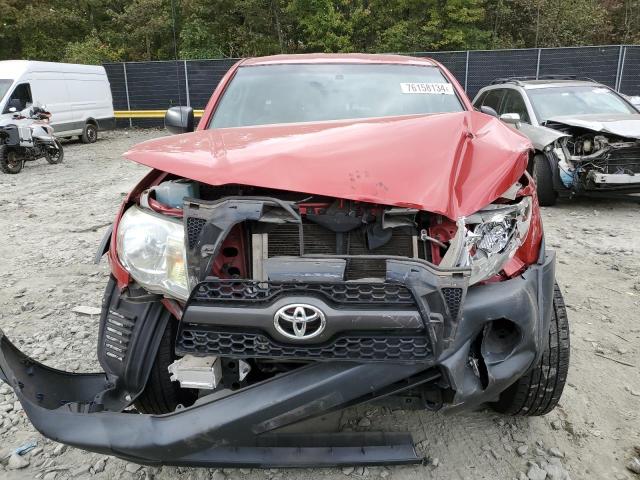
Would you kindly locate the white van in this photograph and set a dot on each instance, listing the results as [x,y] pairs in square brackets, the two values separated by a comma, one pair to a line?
[78,96]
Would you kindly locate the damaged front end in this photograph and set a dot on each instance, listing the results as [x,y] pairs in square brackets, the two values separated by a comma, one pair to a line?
[283,306]
[596,158]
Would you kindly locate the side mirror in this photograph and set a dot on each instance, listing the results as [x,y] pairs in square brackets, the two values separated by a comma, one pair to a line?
[13,110]
[179,120]
[488,111]
[512,118]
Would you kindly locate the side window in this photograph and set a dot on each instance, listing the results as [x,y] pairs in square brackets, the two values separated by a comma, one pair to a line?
[493,99]
[20,98]
[478,103]
[514,103]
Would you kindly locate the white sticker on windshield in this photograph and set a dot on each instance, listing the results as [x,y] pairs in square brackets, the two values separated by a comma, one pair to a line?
[600,90]
[427,88]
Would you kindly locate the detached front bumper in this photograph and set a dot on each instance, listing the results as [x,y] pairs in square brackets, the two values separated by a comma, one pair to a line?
[613,182]
[229,431]
[242,428]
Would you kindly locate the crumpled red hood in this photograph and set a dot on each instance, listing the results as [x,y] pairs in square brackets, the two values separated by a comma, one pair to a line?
[452,164]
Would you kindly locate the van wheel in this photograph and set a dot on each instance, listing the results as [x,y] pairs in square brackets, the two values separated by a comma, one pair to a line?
[89,134]
[10,161]
[539,390]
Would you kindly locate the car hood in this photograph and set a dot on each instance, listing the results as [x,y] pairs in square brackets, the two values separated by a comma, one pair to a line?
[622,125]
[452,164]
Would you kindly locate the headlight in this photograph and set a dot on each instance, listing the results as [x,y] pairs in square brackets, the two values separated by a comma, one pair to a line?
[487,239]
[151,248]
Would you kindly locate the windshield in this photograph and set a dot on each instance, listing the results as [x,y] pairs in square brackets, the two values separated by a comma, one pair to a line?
[264,95]
[581,100]
[4,87]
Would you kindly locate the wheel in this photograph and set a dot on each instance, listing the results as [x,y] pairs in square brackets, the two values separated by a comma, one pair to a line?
[539,391]
[547,196]
[160,394]
[10,160]
[90,133]
[56,155]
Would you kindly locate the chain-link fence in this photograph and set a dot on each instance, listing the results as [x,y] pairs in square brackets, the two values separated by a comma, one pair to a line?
[160,85]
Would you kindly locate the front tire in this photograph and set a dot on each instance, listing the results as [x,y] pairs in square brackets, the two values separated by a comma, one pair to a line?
[160,394]
[55,156]
[89,134]
[538,392]
[547,196]
[10,161]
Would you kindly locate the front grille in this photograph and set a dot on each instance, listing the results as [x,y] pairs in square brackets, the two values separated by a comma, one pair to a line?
[194,227]
[623,160]
[344,293]
[453,298]
[284,240]
[117,335]
[193,339]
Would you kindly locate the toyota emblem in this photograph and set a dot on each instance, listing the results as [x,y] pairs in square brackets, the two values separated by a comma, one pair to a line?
[299,321]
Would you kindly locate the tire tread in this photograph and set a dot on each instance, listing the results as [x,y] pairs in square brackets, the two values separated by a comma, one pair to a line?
[539,391]
[160,394]
[547,196]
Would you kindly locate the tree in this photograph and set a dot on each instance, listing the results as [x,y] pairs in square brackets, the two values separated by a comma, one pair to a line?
[91,51]
[10,44]
[98,30]
[557,23]
[144,28]
[625,20]
[231,28]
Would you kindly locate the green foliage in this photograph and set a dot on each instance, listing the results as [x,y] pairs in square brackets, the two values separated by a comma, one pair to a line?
[91,51]
[95,31]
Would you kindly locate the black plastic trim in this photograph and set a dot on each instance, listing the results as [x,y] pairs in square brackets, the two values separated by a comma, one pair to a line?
[85,410]
[136,329]
[105,243]
[200,434]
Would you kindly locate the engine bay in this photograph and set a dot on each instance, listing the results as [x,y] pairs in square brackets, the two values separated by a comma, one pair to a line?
[594,160]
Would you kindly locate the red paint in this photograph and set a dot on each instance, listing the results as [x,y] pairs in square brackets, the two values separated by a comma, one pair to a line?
[174,307]
[156,206]
[443,230]
[228,265]
[530,248]
[349,58]
[452,164]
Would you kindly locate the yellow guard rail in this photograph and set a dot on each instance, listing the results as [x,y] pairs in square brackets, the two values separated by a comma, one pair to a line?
[148,113]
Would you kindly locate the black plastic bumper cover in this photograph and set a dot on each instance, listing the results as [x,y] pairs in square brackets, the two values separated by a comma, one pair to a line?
[229,431]
[239,429]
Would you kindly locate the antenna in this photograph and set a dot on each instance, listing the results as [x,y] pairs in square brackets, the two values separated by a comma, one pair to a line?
[175,50]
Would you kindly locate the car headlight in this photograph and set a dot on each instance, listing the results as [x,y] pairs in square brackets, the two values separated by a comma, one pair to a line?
[151,248]
[487,239]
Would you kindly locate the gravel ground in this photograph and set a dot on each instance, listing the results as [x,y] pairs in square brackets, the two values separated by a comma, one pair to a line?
[52,218]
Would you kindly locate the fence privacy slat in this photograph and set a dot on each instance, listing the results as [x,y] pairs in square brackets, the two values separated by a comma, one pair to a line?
[160,85]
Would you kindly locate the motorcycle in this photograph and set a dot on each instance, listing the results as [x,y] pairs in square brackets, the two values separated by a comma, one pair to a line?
[27,137]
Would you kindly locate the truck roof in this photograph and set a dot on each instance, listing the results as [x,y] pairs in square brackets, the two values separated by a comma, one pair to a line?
[354,58]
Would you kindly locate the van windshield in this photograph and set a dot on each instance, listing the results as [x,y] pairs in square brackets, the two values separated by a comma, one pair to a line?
[266,95]
[5,85]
